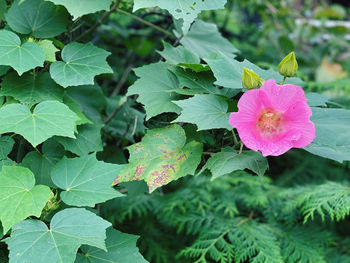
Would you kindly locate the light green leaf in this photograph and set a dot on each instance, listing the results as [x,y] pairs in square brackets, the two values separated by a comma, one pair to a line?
[36,17]
[228,71]
[30,89]
[85,180]
[69,229]
[49,49]
[207,111]
[161,157]
[49,118]
[316,99]
[120,248]
[41,164]
[6,145]
[83,7]
[187,10]
[20,57]
[156,88]
[334,122]
[19,197]
[228,160]
[81,63]
[205,38]
[88,139]
[176,55]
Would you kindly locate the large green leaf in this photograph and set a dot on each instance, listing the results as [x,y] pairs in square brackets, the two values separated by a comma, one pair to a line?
[228,160]
[19,197]
[161,157]
[49,118]
[176,55]
[81,63]
[186,10]
[121,248]
[79,8]
[21,57]
[6,145]
[36,17]
[156,89]
[85,180]
[32,241]
[228,71]
[205,38]
[31,89]
[88,139]
[207,111]
[41,163]
[332,134]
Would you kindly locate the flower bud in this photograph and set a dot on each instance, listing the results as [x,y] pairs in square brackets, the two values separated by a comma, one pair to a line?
[288,65]
[251,80]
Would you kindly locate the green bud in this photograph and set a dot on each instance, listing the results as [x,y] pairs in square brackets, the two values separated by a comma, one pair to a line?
[288,65]
[251,80]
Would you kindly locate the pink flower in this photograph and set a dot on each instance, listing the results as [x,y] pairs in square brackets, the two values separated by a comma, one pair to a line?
[274,119]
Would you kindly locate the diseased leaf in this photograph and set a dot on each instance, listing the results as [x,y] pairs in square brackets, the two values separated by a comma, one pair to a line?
[6,145]
[41,164]
[207,111]
[49,118]
[30,89]
[81,63]
[21,57]
[39,18]
[19,196]
[205,38]
[228,160]
[69,229]
[334,122]
[85,180]
[156,88]
[186,10]
[88,139]
[161,157]
[228,71]
[83,7]
[120,248]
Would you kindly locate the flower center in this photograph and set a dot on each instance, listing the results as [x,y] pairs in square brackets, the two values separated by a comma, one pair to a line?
[269,123]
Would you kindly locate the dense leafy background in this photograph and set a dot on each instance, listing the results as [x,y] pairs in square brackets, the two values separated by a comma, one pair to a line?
[115,143]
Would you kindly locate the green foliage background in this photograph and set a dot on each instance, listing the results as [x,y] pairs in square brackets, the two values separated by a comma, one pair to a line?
[115,143]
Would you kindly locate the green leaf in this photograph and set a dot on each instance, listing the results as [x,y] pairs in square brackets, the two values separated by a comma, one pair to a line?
[176,55]
[49,49]
[69,229]
[3,9]
[41,164]
[85,180]
[228,71]
[6,145]
[315,99]
[36,17]
[21,57]
[161,157]
[120,248]
[156,88]
[337,123]
[19,196]
[205,38]
[4,70]
[81,63]
[30,89]
[228,160]
[207,111]
[88,139]
[83,7]
[195,67]
[186,10]
[76,108]
[49,118]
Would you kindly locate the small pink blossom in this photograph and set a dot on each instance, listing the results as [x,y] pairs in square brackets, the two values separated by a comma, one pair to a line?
[274,119]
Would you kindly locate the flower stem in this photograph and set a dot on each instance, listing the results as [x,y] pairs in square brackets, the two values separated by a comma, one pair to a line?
[284,79]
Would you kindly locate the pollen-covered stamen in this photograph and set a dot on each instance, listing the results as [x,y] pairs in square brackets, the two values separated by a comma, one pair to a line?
[269,122]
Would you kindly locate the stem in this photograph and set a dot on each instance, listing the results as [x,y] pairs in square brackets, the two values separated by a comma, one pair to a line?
[240,148]
[111,116]
[234,138]
[284,79]
[99,22]
[145,22]
[57,43]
